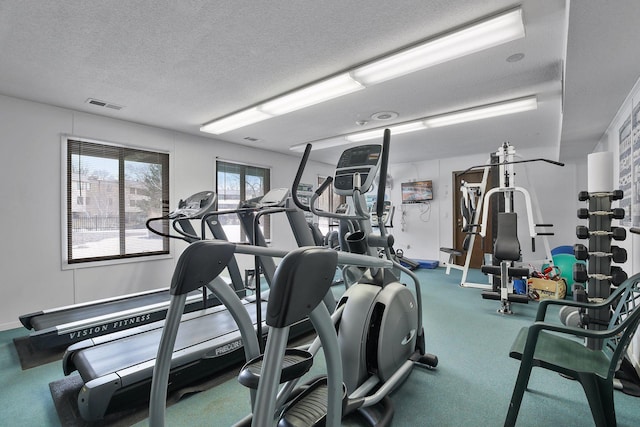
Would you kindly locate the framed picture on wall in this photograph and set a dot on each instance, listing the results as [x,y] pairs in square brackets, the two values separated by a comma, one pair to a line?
[625,174]
[635,189]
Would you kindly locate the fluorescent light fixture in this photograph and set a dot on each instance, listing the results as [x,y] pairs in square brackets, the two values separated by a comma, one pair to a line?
[468,115]
[483,112]
[378,133]
[316,93]
[483,35]
[235,121]
[296,100]
[321,144]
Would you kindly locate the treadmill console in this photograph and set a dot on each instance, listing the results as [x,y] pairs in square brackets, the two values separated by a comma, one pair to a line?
[364,160]
[195,206]
[274,198]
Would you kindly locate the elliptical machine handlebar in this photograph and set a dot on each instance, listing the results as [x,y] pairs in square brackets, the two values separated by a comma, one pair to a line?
[327,182]
[386,240]
[193,207]
[184,236]
[384,166]
[361,214]
[382,182]
[298,178]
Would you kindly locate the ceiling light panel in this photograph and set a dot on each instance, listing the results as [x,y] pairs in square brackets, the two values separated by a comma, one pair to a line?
[378,133]
[483,35]
[320,145]
[484,112]
[320,92]
[235,121]
[471,114]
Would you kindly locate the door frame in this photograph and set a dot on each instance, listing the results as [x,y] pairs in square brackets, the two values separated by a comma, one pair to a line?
[481,245]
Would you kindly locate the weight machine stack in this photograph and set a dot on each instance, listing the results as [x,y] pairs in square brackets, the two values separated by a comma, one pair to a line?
[598,275]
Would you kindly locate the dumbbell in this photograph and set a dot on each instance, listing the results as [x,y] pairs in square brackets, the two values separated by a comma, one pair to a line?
[570,316]
[616,213]
[617,253]
[613,195]
[616,277]
[617,233]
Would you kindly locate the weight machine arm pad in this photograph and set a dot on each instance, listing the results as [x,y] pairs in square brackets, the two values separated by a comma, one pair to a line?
[512,271]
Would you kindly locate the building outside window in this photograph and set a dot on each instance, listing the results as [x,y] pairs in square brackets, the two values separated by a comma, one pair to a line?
[111,191]
[328,202]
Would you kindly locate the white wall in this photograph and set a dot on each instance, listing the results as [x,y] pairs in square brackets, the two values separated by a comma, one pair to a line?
[30,183]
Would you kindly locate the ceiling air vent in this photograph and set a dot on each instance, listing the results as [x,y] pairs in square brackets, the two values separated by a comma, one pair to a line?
[104,104]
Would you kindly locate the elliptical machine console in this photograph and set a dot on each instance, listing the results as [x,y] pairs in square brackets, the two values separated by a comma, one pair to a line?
[363,161]
[195,205]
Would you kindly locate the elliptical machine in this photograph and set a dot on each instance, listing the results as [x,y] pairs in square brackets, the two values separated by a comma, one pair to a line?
[377,325]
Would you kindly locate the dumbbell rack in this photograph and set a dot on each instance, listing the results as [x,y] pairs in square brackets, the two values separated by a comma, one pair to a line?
[599,275]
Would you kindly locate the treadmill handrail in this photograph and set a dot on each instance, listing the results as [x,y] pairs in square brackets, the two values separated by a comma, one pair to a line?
[27,317]
[112,317]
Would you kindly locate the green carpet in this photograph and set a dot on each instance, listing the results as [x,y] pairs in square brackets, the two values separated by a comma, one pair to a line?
[471,386]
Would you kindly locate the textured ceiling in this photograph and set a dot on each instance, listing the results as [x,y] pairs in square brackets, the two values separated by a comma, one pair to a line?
[602,67]
[178,64]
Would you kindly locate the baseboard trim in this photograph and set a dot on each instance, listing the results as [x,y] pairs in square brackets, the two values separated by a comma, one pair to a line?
[10,325]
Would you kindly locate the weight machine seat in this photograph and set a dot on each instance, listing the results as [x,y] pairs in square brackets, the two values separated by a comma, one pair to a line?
[522,299]
[511,271]
[465,247]
[453,253]
[507,246]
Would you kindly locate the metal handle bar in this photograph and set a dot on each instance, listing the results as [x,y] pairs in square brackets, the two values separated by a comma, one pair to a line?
[513,162]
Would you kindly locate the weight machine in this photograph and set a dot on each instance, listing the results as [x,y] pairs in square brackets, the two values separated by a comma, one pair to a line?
[502,161]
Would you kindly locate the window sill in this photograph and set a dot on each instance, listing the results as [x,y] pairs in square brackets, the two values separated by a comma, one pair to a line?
[106,263]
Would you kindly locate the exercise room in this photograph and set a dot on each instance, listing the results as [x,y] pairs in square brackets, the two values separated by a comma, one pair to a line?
[240,213]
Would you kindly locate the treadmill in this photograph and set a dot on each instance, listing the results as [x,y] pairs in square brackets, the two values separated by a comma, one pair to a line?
[64,326]
[117,369]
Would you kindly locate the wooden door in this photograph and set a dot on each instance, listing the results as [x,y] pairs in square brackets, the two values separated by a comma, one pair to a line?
[479,249]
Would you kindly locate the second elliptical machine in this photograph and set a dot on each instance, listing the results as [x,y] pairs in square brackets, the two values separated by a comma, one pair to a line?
[377,325]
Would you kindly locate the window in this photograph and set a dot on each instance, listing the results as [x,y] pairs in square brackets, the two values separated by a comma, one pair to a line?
[329,202]
[103,221]
[237,182]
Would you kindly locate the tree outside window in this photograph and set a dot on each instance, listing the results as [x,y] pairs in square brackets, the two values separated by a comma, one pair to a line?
[111,192]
